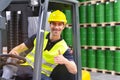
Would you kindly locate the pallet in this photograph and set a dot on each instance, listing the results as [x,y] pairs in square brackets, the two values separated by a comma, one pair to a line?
[94,2]
[100,1]
[111,0]
[110,72]
[101,24]
[94,47]
[89,47]
[91,24]
[89,69]
[116,73]
[83,25]
[100,47]
[107,72]
[84,47]
[112,48]
[104,24]
[101,71]
[91,2]
[94,70]
[112,23]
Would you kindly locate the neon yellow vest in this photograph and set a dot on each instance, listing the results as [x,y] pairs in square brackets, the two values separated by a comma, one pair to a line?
[48,63]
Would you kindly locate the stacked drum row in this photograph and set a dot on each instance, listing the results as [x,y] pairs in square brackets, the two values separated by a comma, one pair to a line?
[100,12]
[99,35]
[101,59]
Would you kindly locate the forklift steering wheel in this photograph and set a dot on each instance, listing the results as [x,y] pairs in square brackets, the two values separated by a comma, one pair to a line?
[4,58]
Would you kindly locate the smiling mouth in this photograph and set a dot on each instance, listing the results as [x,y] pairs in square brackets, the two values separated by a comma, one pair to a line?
[55,31]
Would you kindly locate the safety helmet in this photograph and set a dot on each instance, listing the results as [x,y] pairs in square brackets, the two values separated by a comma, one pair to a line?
[57,16]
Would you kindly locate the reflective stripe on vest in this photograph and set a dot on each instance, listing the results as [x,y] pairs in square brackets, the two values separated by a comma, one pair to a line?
[48,63]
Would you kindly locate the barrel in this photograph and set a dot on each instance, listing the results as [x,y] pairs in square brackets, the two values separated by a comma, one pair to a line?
[117,61]
[99,12]
[109,36]
[82,0]
[108,11]
[84,57]
[90,36]
[68,35]
[90,13]
[117,35]
[100,58]
[100,36]
[62,34]
[83,36]
[91,58]
[68,16]
[109,60]
[116,7]
[82,14]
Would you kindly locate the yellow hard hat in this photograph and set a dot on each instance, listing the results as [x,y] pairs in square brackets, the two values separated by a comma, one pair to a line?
[57,16]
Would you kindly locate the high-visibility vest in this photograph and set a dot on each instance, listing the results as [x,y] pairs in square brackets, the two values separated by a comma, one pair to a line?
[48,63]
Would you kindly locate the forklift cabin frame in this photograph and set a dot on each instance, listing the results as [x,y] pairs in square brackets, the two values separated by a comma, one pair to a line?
[40,34]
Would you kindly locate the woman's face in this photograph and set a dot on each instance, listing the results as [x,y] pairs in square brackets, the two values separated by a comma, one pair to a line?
[56,28]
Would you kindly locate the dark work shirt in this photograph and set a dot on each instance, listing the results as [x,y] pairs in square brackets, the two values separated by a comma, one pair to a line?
[30,44]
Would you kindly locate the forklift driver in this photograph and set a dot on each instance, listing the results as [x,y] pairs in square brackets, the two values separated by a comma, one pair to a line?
[55,50]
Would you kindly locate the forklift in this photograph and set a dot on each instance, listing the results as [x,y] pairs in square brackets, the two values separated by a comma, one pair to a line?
[38,8]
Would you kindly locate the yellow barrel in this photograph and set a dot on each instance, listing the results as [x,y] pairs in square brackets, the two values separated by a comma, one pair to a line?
[85,75]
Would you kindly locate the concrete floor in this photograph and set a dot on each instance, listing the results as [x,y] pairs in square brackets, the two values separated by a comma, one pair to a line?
[101,76]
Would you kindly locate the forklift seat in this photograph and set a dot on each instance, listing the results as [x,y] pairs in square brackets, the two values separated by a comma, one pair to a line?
[60,72]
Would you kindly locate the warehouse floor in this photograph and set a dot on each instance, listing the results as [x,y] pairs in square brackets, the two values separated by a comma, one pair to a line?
[101,76]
